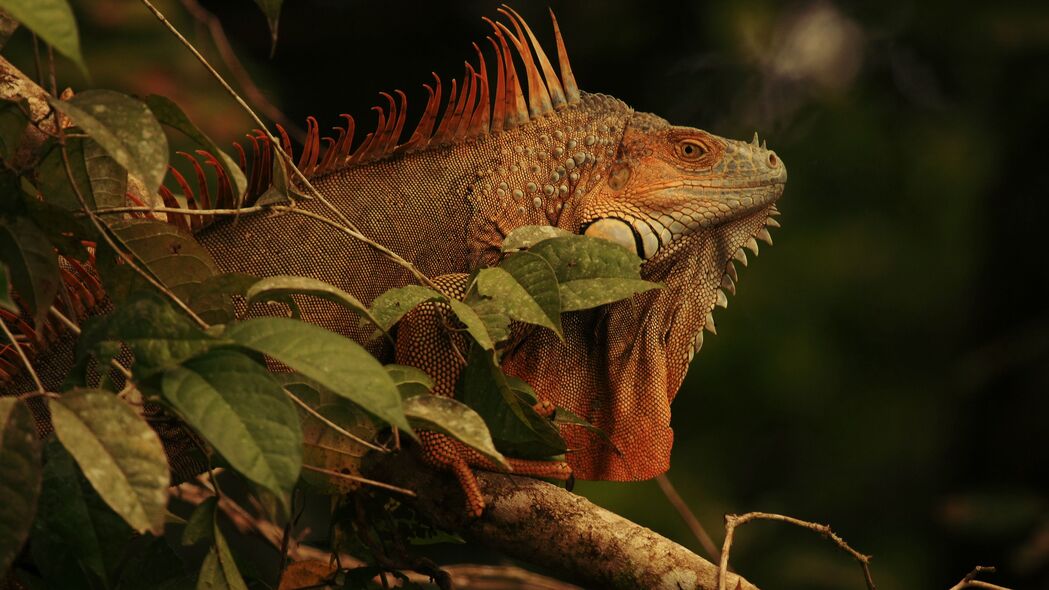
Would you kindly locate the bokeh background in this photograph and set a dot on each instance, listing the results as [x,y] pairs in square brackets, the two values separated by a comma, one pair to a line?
[885,366]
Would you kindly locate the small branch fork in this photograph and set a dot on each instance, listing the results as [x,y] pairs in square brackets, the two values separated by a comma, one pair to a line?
[732,521]
[970,581]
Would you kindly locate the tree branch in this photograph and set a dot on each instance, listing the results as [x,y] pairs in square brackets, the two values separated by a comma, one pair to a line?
[543,524]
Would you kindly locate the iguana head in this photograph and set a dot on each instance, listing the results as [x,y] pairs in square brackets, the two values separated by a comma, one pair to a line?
[667,182]
[687,202]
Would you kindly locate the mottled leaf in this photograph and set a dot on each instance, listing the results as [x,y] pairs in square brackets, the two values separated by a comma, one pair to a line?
[159,336]
[170,114]
[19,477]
[326,448]
[52,21]
[445,415]
[201,524]
[125,128]
[108,178]
[281,287]
[410,381]
[62,229]
[31,260]
[118,452]
[337,363]
[477,327]
[77,538]
[509,295]
[390,306]
[238,407]
[592,272]
[527,236]
[13,122]
[211,299]
[219,571]
[52,177]
[537,277]
[563,417]
[172,256]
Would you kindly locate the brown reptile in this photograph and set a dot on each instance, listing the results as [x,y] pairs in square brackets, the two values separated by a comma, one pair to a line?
[497,158]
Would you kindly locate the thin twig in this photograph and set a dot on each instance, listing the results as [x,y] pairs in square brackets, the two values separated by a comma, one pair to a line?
[396,258]
[333,425]
[970,581]
[686,514]
[229,57]
[732,521]
[21,355]
[360,479]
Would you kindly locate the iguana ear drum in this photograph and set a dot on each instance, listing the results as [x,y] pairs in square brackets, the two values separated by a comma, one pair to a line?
[615,230]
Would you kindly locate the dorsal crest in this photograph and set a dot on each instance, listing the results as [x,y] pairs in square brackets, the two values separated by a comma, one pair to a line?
[472,108]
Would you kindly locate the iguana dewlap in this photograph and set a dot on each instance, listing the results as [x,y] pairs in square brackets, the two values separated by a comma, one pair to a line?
[687,201]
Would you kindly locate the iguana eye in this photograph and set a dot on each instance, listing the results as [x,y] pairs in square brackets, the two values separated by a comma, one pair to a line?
[690,150]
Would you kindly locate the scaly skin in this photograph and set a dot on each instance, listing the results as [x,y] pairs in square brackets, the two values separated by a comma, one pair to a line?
[685,200]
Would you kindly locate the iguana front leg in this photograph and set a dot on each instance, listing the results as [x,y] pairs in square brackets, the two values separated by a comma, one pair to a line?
[425,341]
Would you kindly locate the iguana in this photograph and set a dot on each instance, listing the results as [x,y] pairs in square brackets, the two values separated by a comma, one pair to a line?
[497,158]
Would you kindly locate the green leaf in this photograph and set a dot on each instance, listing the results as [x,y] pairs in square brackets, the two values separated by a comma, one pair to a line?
[108,178]
[527,236]
[31,260]
[172,256]
[537,277]
[61,228]
[477,327]
[78,540]
[211,298]
[118,452]
[392,305]
[507,294]
[592,272]
[19,477]
[281,287]
[563,417]
[125,128]
[326,448]
[5,291]
[515,427]
[170,114]
[443,414]
[13,122]
[337,363]
[410,381]
[52,179]
[159,336]
[201,525]
[52,21]
[219,571]
[271,8]
[237,406]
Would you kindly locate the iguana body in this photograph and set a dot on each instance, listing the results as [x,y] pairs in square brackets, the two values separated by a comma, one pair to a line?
[693,201]
[683,199]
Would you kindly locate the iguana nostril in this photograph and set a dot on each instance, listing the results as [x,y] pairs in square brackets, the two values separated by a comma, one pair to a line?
[773,160]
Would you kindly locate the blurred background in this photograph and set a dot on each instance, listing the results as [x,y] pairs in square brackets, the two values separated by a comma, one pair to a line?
[885,366]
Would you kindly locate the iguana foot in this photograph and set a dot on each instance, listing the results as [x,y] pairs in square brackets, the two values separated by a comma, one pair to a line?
[545,408]
[448,454]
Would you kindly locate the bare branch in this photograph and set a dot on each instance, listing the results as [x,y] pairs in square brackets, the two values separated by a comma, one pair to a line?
[732,521]
[970,581]
[540,523]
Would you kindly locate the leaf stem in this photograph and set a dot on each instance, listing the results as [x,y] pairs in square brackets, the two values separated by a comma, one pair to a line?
[360,479]
[333,425]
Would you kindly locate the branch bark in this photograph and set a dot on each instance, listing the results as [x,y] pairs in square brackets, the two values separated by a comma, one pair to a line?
[545,525]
